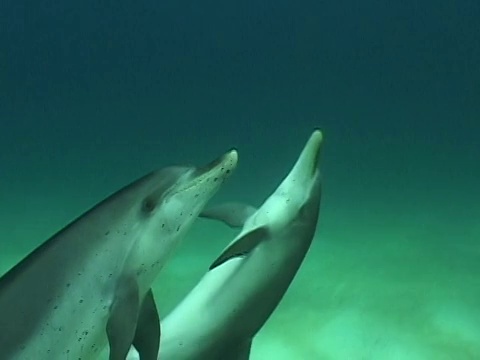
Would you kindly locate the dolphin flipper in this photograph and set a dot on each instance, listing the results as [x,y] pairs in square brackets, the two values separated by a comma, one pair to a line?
[232,214]
[123,318]
[244,351]
[242,246]
[240,353]
[147,335]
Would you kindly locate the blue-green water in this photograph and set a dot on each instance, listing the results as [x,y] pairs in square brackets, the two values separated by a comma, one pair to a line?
[94,95]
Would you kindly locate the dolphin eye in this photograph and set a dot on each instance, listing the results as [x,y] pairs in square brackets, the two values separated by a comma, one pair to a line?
[148,205]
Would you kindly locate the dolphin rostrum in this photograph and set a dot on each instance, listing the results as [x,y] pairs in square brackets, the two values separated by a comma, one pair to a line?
[219,318]
[89,285]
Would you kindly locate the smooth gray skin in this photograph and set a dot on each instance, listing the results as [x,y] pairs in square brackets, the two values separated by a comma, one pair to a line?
[219,318]
[94,276]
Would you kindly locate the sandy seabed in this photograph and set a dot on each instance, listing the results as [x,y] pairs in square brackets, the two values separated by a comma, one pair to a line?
[400,290]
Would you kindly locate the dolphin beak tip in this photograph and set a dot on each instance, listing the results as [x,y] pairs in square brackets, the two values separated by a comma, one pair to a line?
[232,155]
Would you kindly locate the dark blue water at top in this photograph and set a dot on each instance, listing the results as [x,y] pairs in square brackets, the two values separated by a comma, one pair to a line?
[394,85]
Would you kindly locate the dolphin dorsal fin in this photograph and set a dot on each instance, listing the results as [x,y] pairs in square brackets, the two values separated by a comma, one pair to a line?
[233,214]
[242,246]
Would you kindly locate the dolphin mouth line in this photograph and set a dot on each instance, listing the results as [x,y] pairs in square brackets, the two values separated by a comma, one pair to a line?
[220,172]
[317,140]
[188,186]
[315,161]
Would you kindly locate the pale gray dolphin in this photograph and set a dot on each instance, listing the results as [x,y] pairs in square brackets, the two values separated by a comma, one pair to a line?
[219,318]
[89,285]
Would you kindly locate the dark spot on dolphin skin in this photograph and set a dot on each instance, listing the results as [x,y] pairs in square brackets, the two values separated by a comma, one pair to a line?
[125,233]
[178,228]
[197,195]
[55,307]
[80,301]
[227,172]
[148,205]
[68,285]
[107,233]
[215,179]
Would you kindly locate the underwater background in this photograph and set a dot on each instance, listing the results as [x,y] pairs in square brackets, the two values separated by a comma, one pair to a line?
[95,94]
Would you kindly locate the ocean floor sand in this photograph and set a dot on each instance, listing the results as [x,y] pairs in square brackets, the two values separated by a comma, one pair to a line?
[399,290]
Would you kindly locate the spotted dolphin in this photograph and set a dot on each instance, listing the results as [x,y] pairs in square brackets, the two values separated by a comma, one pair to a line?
[89,285]
[219,318]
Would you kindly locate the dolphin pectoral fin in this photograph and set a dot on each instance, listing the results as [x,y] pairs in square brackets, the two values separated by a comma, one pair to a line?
[244,351]
[242,246]
[122,320]
[232,214]
[147,335]
[240,353]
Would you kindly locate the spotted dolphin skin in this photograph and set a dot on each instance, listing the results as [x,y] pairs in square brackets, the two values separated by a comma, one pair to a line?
[89,285]
[219,318]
